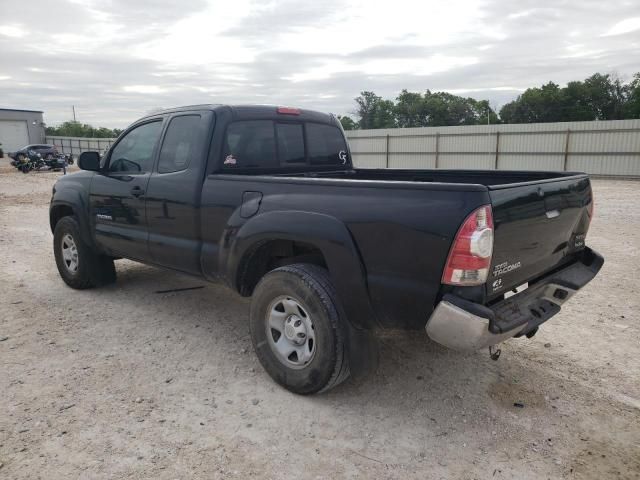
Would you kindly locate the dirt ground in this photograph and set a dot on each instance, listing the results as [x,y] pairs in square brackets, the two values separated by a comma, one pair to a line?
[124,382]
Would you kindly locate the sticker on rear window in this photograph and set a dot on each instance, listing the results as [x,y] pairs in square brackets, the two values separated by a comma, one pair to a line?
[342,155]
[230,160]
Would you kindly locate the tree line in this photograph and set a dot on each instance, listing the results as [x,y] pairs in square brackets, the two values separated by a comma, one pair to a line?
[76,129]
[599,97]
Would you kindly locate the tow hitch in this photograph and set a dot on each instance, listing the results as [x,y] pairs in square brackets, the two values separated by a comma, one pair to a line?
[494,352]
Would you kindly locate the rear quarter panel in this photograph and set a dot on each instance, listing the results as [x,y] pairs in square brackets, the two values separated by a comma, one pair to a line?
[401,231]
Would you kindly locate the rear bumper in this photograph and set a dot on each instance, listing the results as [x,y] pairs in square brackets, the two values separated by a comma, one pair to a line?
[463,325]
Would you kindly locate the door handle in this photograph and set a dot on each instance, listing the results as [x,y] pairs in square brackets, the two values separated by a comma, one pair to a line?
[137,191]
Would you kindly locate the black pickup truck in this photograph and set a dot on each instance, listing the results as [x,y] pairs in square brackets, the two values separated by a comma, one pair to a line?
[267,201]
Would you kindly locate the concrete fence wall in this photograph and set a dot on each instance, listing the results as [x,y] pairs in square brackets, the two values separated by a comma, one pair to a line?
[599,148]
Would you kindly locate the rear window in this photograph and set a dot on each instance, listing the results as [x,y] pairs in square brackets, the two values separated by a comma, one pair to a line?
[290,143]
[250,144]
[268,144]
[326,145]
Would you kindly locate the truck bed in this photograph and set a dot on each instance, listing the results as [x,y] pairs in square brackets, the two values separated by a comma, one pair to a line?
[541,218]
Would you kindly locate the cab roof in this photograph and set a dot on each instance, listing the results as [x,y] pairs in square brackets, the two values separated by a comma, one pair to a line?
[242,112]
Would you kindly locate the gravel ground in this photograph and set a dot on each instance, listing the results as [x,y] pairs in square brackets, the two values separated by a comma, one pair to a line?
[123,382]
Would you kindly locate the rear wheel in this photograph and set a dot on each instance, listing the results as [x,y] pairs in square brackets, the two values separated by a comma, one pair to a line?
[78,264]
[296,329]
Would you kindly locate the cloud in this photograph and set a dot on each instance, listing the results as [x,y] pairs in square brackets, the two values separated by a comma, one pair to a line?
[14,31]
[627,25]
[143,89]
[115,60]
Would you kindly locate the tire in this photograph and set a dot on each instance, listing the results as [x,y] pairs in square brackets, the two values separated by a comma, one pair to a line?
[91,269]
[309,289]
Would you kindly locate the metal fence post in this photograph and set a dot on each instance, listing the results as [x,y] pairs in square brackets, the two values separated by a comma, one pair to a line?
[387,150]
[497,148]
[437,149]
[566,150]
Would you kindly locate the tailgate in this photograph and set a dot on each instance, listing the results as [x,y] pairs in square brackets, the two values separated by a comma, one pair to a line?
[538,226]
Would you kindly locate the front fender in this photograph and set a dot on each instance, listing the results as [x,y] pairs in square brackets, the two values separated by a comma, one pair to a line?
[73,194]
[326,233]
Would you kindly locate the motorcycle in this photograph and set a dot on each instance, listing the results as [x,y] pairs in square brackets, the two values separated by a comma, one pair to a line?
[27,162]
[57,159]
[34,161]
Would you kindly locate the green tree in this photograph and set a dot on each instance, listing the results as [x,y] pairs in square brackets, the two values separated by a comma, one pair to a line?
[374,112]
[544,104]
[484,112]
[606,96]
[441,109]
[347,122]
[577,106]
[445,109]
[410,110]
[599,97]
[632,105]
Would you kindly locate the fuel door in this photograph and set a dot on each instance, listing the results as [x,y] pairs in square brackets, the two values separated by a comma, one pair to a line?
[250,204]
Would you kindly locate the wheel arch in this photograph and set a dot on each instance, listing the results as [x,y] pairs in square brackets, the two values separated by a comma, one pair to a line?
[313,238]
[57,212]
[70,202]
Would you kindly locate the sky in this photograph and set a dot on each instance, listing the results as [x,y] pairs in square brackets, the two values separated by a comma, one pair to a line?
[116,60]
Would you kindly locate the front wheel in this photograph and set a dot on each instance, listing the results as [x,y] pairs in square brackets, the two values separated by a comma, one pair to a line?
[297,331]
[78,264]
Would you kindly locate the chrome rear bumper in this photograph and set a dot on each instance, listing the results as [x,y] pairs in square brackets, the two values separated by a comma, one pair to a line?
[458,329]
[462,325]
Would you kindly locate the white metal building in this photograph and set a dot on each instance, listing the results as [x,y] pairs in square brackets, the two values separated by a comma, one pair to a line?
[19,128]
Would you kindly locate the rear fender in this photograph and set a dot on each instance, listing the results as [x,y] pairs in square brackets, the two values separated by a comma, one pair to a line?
[324,232]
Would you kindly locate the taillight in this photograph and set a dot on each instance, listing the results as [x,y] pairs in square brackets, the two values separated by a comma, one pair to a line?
[470,255]
[591,208]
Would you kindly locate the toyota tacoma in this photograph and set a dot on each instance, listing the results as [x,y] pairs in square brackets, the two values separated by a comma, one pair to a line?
[267,201]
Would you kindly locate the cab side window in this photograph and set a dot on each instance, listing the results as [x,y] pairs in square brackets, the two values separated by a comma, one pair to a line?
[134,152]
[179,142]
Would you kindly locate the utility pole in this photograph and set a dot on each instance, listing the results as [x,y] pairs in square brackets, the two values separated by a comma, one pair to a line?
[73,107]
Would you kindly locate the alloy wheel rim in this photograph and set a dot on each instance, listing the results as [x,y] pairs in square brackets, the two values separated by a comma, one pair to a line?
[69,253]
[290,332]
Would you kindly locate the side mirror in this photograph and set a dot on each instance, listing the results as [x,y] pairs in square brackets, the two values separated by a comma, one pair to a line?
[89,161]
